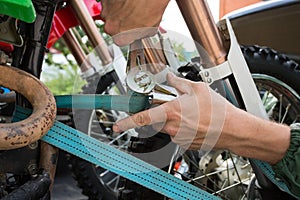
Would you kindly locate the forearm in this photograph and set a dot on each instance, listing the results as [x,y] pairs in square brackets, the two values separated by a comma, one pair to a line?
[252,137]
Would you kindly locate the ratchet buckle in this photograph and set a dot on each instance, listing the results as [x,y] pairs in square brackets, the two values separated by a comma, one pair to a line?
[139,79]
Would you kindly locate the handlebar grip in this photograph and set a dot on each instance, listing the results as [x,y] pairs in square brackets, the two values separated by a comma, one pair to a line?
[31,129]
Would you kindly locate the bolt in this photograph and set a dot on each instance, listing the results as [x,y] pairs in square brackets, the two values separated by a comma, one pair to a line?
[32,168]
[206,74]
[209,80]
[223,27]
[142,79]
[33,145]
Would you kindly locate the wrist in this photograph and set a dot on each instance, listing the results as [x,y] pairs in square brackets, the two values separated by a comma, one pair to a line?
[253,137]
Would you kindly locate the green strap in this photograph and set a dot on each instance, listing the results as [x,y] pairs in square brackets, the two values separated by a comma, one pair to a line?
[270,174]
[132,104]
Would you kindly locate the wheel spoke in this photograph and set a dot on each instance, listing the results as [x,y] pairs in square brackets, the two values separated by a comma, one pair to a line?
[118,137]
[296,119]
[286,111]
[280,108]
[237,173]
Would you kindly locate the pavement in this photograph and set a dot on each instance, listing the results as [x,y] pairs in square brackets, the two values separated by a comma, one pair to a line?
[65,187]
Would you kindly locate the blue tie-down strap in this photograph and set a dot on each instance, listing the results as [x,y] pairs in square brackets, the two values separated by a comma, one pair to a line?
[116,161]
[270,174]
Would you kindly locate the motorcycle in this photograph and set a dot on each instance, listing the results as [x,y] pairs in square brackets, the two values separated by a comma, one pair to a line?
[220,173]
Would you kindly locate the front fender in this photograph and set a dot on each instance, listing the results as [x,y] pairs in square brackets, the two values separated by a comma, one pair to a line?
[19,9]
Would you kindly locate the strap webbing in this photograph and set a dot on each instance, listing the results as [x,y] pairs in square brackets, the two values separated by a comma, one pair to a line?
[107,157]
[270,174]
[131,103]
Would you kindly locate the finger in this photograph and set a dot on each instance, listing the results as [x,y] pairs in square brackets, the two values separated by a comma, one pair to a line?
[147,117]
[183,86]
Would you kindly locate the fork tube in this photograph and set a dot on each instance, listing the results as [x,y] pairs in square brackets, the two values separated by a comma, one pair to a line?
[87,23]
[203,29]
[76,50]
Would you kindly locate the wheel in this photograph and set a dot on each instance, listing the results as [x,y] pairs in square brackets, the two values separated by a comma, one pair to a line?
[99,183]
[277,79]
[219,172]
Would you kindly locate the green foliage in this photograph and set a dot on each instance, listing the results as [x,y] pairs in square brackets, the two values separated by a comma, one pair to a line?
[63,83]
[64,77]
[181,52]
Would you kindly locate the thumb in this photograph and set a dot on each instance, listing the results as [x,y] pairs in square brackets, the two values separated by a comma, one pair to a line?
[183,86]
[129,36]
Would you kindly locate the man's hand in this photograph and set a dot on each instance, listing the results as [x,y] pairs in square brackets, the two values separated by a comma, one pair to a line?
[196,117]
[202,119]
[130,20]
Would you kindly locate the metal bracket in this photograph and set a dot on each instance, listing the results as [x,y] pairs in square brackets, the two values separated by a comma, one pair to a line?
[237,66]
[215,73]
[243,77]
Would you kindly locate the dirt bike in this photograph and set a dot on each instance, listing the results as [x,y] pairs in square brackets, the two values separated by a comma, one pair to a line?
[208,172]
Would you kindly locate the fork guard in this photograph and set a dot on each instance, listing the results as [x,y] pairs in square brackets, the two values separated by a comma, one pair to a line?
[20,134]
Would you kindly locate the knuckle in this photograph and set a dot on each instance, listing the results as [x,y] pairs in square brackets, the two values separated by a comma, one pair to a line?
[140,119]
[170,130]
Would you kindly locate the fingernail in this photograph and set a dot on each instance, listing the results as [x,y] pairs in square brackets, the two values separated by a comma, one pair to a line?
[116,128]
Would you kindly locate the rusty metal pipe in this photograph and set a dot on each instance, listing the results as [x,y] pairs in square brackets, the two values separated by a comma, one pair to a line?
[203,29]
[22,133]
[91,30]
[76,50]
